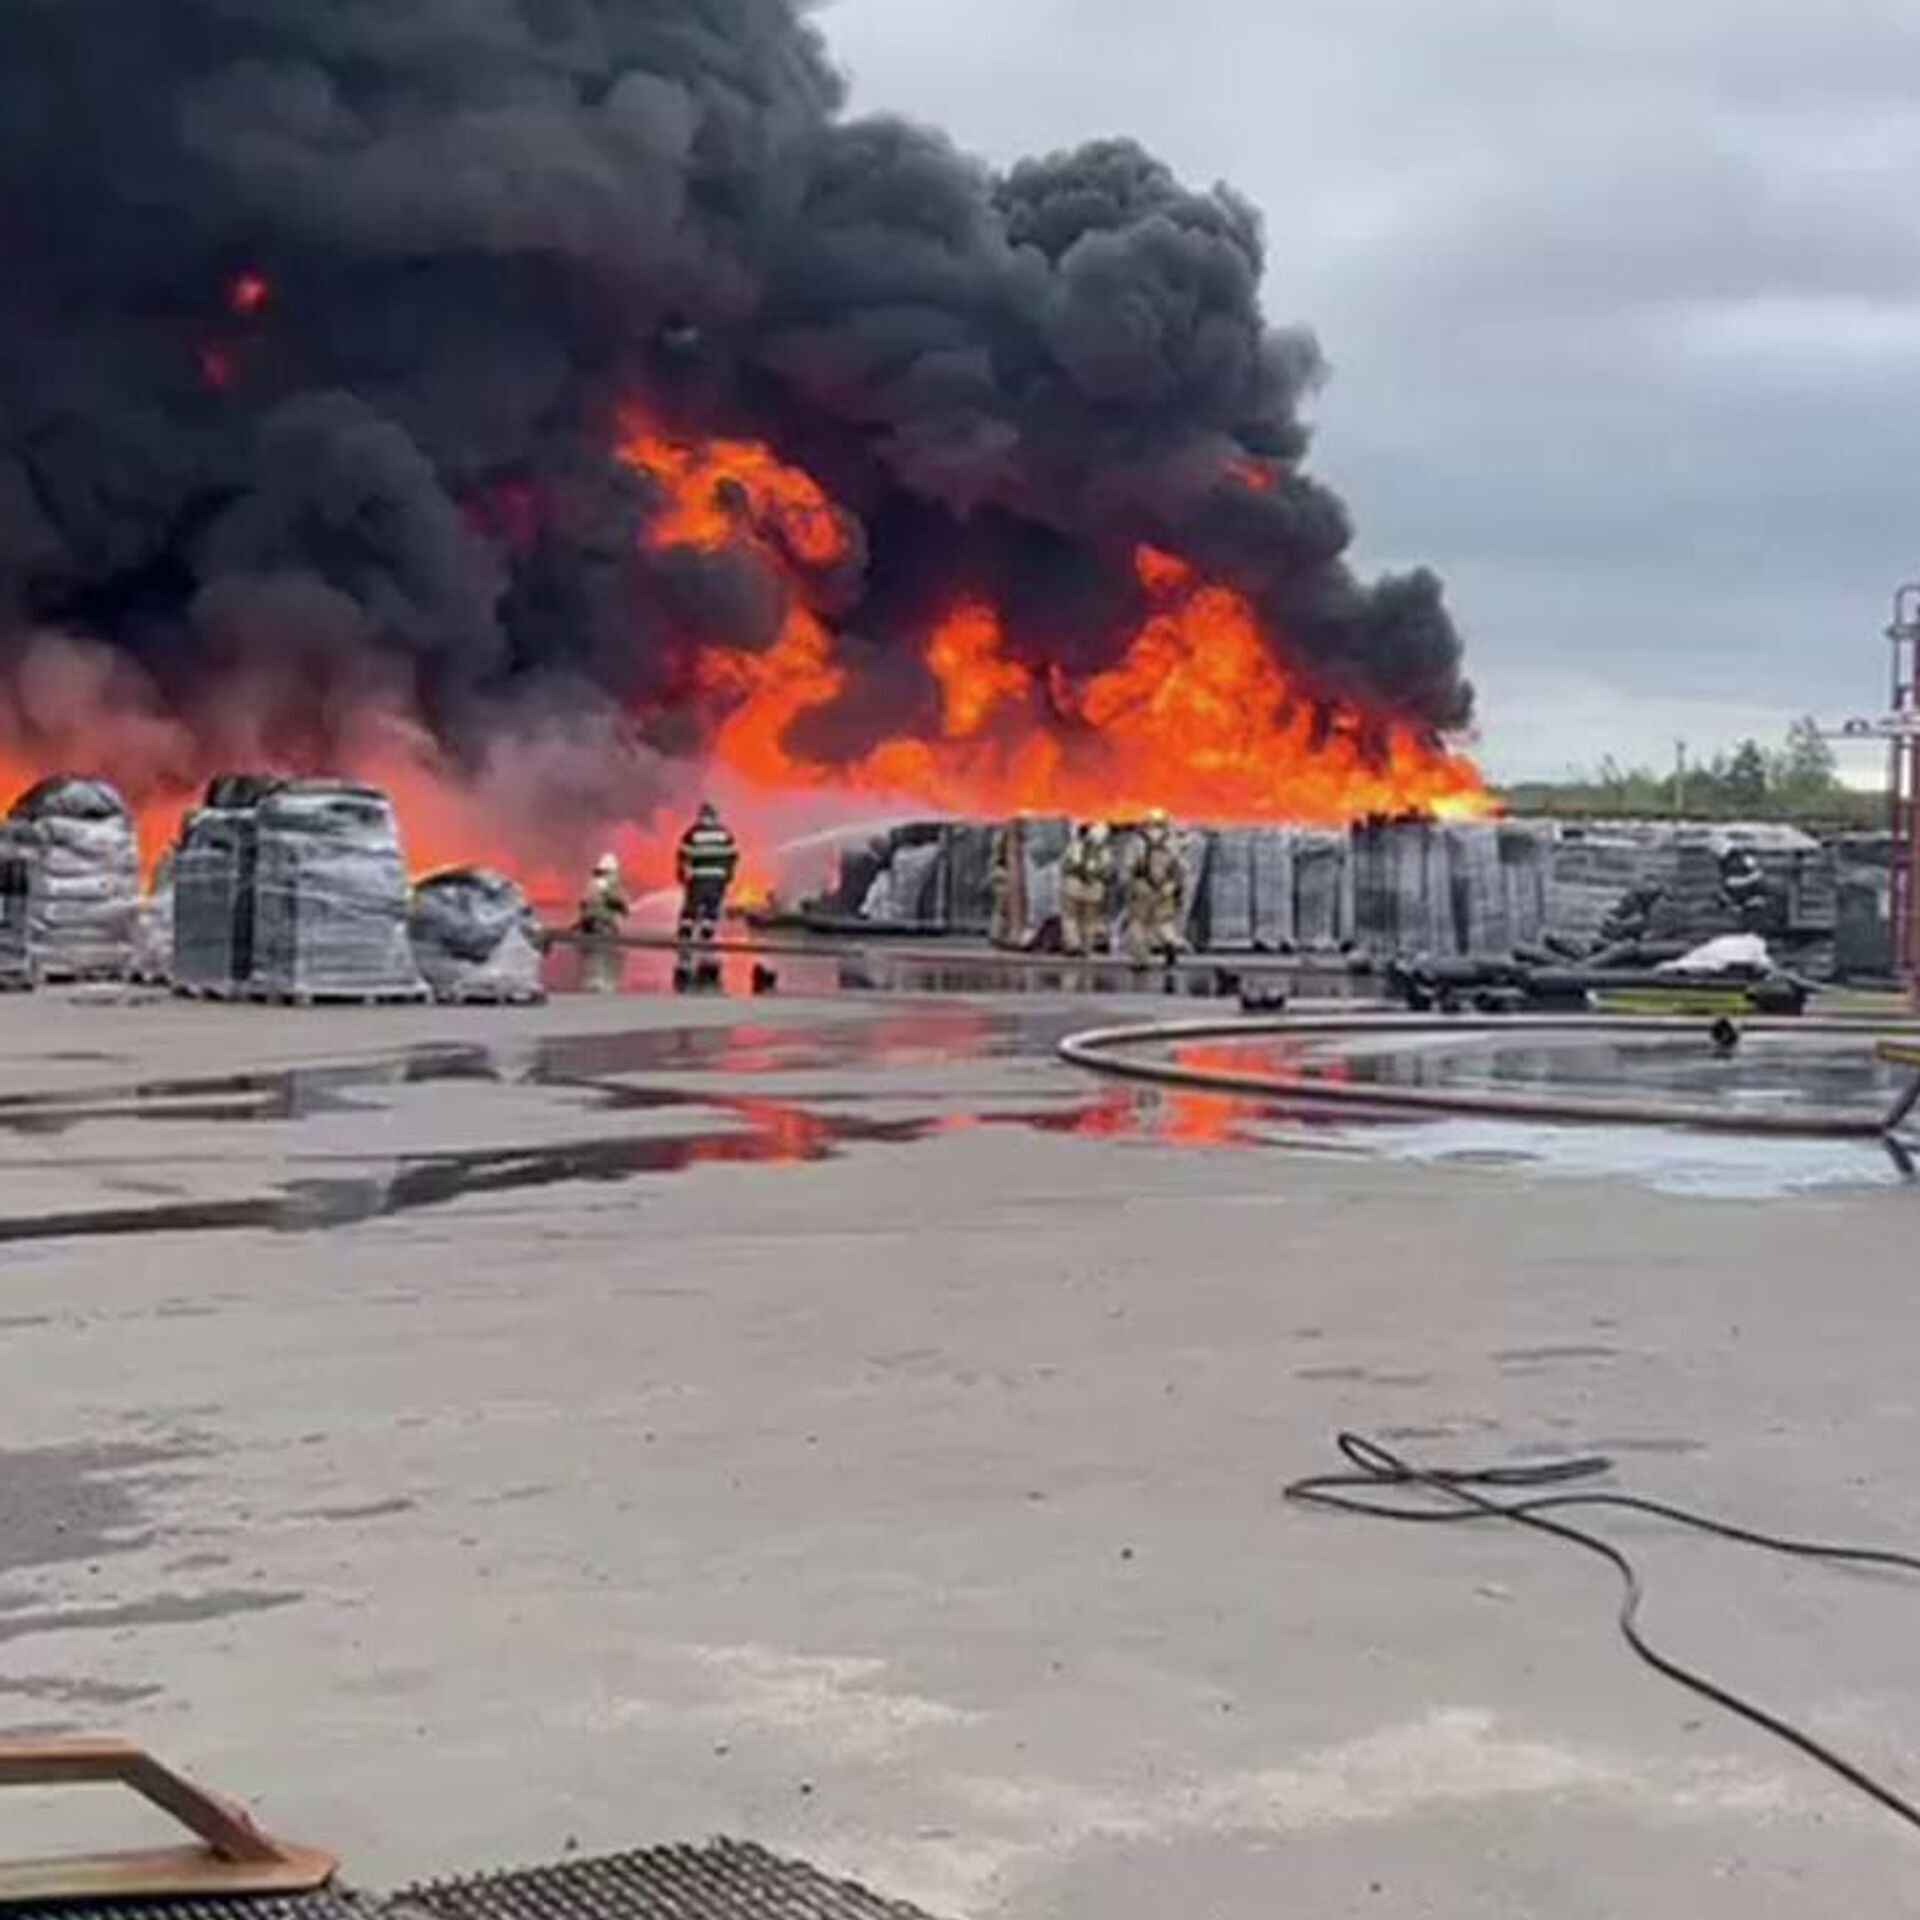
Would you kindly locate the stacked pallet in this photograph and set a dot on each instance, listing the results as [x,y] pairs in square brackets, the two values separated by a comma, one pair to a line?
[82,878]
[215,895]
[331,897]
[16,894]
[1392,889]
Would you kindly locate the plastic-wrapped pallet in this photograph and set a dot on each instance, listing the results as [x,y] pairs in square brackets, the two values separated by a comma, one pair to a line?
[475,938]
[83,878]
[1482,911]
[1273,925]
[1525,854]
[902,895]
[153,929]
[215,907]
[1402,901]
[966,878]
[332,896]
[1322,889]
[1227,912]
[16,894]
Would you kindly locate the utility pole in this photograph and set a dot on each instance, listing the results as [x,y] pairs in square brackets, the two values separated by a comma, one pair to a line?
[1679,779]
[1899,727]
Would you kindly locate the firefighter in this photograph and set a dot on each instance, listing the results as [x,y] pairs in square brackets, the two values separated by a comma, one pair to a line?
[1744,882]
[604,907]
[1000,920]
[709,858]
[1156,893]
[1086,885]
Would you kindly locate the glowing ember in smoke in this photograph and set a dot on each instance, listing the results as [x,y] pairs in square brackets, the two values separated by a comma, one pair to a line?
[1199,714]
[248,294]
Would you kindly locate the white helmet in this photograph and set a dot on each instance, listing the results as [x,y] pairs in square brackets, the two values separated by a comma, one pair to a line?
[607,865]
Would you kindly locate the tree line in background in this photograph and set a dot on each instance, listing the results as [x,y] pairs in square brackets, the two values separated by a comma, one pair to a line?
[1798,781]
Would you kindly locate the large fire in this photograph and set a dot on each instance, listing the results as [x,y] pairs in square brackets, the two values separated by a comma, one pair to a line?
[1198,713]
[1198,716]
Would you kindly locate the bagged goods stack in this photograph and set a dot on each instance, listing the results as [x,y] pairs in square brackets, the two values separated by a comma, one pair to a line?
[1403,888]
[966,878]
[1322,890]
[1246,903]
[475,938]
[83,878]
[16,891]
[1480,908]
[215,907]
[1226,913]
[903,893]
[1526,854]
[332,897]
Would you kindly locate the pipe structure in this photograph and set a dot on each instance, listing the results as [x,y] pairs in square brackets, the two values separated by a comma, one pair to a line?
[1110,1050]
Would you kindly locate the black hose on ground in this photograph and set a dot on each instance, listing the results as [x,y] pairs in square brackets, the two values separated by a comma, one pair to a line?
[1442,1495]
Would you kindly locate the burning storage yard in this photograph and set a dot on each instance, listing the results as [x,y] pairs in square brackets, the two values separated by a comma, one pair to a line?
[751,996]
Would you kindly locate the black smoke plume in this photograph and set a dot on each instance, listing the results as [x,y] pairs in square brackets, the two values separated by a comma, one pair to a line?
[316,315]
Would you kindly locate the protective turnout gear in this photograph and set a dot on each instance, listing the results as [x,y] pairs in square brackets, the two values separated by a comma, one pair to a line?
[1000,927]
[1156,894]
[604,906]
[1745,885]
[709,858]
[1086,887]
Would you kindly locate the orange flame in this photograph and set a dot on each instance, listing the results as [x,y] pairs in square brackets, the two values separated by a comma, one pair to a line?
[1199,715]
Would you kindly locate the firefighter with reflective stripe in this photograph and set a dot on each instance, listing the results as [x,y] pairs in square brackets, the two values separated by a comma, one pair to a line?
[1086,886]
[709,858]
[604,907]
[1156,893]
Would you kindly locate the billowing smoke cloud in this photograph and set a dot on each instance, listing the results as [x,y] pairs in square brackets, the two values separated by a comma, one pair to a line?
[316,317]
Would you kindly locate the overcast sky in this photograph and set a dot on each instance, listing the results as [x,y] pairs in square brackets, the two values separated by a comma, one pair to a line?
[1622,299]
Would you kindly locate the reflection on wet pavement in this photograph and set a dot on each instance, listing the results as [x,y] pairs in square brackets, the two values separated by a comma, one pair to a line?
[724,1125]
[750,1130]
[877,969]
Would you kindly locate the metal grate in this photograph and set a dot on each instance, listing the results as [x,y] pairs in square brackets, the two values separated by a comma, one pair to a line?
[325,1903]
[725,1880]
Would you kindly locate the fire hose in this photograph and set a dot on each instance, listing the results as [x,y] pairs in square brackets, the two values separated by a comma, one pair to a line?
[1116,1051]
[1442,1495]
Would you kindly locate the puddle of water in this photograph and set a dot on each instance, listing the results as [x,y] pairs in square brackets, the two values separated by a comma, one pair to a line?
[1766,1072]
[758,1133]
[1704,1166]
[728,1127]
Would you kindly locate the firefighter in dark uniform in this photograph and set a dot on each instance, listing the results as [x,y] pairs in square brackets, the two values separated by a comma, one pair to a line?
[709,858]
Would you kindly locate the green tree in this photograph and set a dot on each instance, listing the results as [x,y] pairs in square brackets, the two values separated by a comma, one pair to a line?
[1745,780]
[1806,772]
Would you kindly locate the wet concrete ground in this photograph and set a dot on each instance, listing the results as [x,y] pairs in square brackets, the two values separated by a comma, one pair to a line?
[834,1423]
